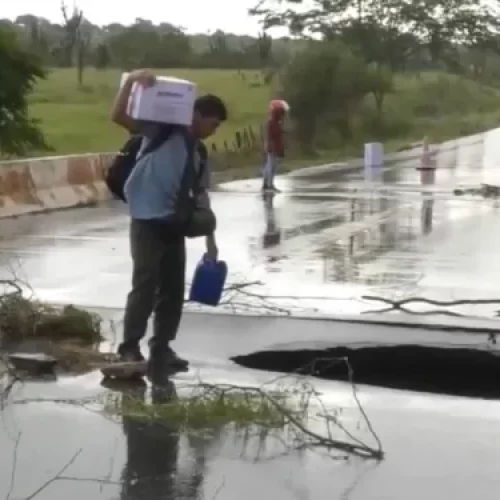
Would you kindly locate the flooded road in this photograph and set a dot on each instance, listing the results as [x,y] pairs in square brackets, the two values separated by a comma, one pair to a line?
[436,447]
[328,240]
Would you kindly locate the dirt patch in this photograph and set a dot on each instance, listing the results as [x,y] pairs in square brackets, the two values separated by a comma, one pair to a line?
[71,357]
[77,359]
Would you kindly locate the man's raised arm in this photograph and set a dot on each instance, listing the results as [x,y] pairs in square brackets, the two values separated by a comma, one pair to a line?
[119,114]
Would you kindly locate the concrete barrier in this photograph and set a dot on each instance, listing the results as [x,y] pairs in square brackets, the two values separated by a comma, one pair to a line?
[51,183]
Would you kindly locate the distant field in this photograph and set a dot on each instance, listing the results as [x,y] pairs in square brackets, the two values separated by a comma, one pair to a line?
[77,120]
[438,105]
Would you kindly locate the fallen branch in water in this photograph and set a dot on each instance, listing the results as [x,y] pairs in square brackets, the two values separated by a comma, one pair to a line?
[14,467]
[450,303]
[284,411]
[8,379]
[401,305]
[57,477]
[238,296]
[281,409]
[218,490]
[285,403]
[244,297]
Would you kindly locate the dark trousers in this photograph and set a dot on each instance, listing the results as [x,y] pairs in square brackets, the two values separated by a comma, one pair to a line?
[158,279]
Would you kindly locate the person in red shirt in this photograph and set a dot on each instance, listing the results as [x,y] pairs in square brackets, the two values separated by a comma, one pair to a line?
[274,143]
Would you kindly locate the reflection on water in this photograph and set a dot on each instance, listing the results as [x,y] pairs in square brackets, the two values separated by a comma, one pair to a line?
[345,226]
[427,178]
[153,469]
[403,232]
[272,233]
[427,215]
[152,450]
[164,462]
[370,229]
[375,225]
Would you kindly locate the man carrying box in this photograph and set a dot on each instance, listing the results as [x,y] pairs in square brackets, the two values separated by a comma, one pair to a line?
[158,253]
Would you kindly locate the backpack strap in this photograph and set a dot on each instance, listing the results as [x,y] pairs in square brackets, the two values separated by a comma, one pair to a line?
[191,178]
[203,155]
[163,135]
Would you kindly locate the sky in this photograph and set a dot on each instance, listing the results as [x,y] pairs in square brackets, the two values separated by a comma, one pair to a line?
[227,15]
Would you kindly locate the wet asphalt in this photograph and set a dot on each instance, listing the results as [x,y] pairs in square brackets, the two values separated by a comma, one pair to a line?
[330,234]
[330,238]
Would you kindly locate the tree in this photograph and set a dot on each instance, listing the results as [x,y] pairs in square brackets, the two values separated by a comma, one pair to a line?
[381,84]
[265,47]
[82,51]
[141,45]
[324,83]
[20,70]
[144,43]
[77,39]
[102,57]
[387,32]
[71,33]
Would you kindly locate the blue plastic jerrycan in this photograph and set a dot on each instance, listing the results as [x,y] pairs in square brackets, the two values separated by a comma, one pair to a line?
[208,282]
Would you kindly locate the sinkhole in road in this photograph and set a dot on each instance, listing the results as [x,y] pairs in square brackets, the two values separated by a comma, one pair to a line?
[466,372]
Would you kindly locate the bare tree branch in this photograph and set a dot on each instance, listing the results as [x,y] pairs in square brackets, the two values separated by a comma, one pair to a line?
[55,478]
[14,467]
[219,489]
[399,305]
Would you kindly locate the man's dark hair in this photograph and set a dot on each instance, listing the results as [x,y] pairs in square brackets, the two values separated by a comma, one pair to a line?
[211,106]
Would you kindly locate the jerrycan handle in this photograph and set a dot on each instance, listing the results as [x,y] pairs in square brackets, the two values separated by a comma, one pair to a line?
[207,260]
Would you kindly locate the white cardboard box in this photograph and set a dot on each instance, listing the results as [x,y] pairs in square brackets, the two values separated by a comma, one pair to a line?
[374,155]
[170,100]
[374,160]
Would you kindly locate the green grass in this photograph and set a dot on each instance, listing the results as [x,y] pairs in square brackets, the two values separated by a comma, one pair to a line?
[440,106]
[203,407]
[27,318]
[77,120]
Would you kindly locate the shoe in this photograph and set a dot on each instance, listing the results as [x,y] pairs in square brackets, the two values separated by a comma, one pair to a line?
[129,365]
[162,366]
[134,386]
[131,355]
[172,359]
[168,359]
[274,189]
